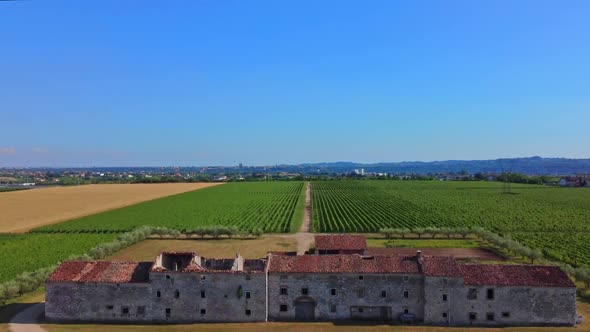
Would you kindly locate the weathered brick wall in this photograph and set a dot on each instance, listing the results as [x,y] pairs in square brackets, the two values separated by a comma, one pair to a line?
[69,301]
[350,291]
[221,301]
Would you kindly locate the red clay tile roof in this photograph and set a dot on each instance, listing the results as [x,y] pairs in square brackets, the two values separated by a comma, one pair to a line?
[340,242]
[440,266]
[515,275]
[283,253]
[342,264]
[108,272]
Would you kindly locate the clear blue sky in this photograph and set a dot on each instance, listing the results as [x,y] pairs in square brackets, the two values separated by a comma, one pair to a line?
[139,82]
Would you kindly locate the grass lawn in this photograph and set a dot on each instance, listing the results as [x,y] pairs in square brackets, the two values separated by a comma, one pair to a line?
[226,248]
[424,243]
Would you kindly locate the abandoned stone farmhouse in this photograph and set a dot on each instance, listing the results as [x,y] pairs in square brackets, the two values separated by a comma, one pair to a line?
[339,282]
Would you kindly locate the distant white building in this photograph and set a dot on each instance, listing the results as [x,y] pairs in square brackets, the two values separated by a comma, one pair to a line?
[220,178]
[563,182]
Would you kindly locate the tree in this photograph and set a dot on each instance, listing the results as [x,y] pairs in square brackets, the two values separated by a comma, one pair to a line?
[463,231]
[446,231]
[535,255]
[583,275]
[433,231]
[404,232]
[387,232]
[3,294]
[419,231]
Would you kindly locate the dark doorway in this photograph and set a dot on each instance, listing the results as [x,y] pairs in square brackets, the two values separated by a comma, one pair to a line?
[305,309]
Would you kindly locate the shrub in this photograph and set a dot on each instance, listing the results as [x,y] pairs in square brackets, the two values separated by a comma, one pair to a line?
[3,294]
[12,289]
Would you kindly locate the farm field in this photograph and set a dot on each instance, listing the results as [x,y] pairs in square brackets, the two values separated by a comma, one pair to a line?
[147,250]
[27,252]
[268,206]
[25,209]
[552,219]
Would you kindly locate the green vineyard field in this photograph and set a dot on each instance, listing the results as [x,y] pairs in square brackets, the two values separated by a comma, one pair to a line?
[28,252]
[269,206]
[555,220]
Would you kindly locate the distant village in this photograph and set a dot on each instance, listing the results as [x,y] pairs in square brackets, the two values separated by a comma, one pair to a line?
[33,177]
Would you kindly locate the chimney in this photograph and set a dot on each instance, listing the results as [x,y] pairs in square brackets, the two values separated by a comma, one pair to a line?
[238,263]
[418,254]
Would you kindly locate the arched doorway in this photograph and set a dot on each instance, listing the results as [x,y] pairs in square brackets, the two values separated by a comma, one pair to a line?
[305,308]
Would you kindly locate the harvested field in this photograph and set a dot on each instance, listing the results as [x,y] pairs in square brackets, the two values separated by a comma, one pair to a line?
[459,253]
[26,209]
[249,248]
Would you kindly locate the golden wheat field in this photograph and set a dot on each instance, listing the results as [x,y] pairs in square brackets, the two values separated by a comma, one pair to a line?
[22,210]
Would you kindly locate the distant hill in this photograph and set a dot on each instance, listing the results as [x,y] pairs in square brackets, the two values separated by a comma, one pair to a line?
[529,166]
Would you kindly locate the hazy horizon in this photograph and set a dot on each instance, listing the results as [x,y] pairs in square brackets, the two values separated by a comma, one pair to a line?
[287,164]
[111,83]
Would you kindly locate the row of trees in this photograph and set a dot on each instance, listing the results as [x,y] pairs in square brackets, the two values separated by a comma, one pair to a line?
[229,231]
[508,244]
[432,232]
[581,274]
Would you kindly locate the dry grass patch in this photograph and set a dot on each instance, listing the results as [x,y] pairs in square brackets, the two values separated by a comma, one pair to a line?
[26,209]
[226,248]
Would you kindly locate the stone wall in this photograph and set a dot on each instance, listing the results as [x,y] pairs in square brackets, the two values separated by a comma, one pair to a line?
[70,301]
[441,295]
[352,291]
[515,306]
[208,297]
[177,297]
[510,306]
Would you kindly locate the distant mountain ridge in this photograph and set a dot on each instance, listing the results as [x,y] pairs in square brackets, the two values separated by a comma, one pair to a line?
[530,166]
